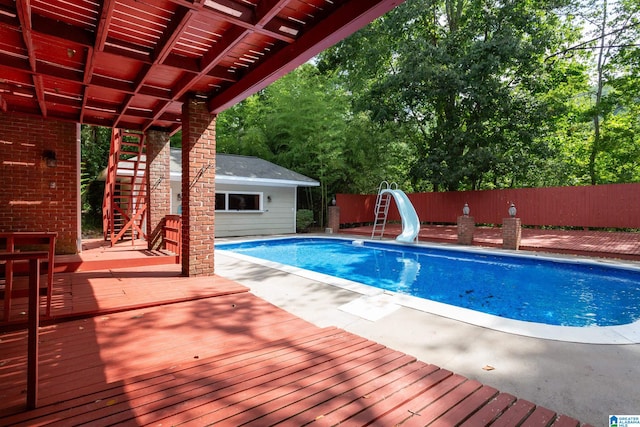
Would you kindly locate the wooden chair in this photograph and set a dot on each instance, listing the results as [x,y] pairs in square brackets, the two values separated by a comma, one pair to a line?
[11,242]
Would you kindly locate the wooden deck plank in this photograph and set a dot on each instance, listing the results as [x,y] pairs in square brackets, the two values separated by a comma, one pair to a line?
[230,362]
[565,421]
[515,414]
[150,405]
[438,407]
[274,375]
[430,387]
[315,399]
[489,412]
[340,408]
[273,406]
[540,417]
[467,407]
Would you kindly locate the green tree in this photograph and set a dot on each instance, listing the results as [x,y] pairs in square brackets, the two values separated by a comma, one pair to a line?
[608,146]
[304,122]
[466,79]
[95,142]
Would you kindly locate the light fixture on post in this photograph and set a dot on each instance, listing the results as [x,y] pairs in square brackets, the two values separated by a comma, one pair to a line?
[49,157]
[466,210]
[512,210]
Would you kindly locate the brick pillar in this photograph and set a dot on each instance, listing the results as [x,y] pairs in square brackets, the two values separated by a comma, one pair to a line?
[511,233]
[466,229]
[198,188]
[158,153]
[333,218]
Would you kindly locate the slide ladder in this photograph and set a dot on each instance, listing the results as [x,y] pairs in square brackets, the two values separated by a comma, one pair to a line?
[408,215]
[383,201]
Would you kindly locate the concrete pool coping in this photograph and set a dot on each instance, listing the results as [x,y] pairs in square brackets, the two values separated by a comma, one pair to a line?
[378,300]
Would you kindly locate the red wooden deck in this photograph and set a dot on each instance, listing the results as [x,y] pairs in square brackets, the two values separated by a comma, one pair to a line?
[142,346]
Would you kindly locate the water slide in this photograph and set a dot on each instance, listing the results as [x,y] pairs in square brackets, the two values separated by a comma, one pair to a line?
[410,220]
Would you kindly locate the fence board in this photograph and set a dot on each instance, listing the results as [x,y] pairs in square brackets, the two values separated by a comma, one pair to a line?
[601,206]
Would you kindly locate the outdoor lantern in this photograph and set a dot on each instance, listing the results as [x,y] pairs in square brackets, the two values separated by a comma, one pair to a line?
[333,201]
[465,210]
[512,210]
[49,156]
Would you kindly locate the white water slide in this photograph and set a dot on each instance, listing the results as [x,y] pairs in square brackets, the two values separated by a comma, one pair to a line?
[408,215]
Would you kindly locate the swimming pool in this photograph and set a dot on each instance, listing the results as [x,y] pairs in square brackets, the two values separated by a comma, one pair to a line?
[536,289]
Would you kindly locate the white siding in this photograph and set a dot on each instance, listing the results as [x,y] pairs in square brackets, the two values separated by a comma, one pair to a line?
[176,189]
[278,216]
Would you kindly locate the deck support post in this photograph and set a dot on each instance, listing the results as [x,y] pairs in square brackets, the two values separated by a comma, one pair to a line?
[198,188]
[158,154]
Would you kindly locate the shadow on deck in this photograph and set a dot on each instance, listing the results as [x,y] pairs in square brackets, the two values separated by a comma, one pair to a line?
[143,345]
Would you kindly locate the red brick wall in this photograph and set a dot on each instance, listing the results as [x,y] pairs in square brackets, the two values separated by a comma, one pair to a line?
[36,197]
[158,153]
[198,188]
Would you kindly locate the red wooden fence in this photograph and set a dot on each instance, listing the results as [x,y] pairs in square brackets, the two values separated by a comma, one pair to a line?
[601,206]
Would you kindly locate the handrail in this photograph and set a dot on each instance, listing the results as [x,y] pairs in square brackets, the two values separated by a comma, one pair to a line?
[34,259]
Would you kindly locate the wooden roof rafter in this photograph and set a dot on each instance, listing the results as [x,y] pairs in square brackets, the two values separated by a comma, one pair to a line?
[132,64]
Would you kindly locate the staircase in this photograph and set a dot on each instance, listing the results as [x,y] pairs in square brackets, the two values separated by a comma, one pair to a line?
[124,206]
[383,201]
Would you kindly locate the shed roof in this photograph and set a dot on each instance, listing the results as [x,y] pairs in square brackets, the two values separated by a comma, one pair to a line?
[236,169]
[232,169]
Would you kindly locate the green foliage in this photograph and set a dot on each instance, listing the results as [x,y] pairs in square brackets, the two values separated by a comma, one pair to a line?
[94,150]
[492,94]
[304,219]
[304,122]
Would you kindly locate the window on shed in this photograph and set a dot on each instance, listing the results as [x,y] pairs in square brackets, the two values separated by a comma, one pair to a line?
[238,201]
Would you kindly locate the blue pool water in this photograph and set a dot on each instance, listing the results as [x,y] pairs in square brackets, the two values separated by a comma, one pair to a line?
[532,289]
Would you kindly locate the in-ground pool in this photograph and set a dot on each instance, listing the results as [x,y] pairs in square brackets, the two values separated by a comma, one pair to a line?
[550,291]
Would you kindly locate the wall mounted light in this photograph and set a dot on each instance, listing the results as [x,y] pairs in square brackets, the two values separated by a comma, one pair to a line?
[49,157]
[269,199]
[179,196]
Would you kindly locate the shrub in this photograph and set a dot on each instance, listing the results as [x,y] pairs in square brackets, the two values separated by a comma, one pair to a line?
[304,218]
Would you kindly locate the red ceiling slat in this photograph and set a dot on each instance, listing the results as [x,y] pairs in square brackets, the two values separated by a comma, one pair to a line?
[79,13]
[133,63]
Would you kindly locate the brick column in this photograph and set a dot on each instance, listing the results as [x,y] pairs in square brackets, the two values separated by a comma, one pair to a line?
[333,218]
[198,188]
[466,229]
[158,153]
[511,233]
